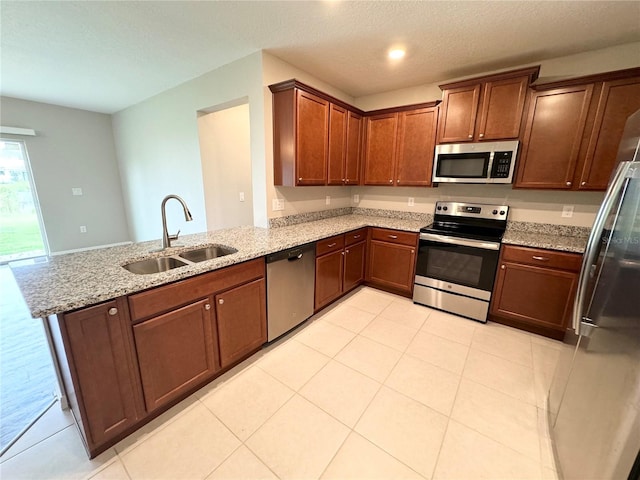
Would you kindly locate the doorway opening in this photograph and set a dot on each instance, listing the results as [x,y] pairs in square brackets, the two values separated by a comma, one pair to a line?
[22,233]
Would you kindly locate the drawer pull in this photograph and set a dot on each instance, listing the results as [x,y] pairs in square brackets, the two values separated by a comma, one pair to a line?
[542,259]
[393,236]
[331,245]
[356,236]
[208,307]
[113,311]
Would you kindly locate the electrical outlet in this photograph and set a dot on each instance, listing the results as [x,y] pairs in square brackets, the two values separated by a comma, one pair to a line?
[411,202]
[242,196]
[76,191]
[277,204]
[567,211]
[83,229]
[327,200]
[356,198]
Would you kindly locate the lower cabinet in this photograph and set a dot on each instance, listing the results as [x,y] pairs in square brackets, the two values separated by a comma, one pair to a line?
[101,379]
[392,260]
[176,352]
[534,289]
[340,264]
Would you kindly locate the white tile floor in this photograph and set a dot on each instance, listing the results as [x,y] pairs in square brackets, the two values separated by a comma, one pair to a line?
[374,387]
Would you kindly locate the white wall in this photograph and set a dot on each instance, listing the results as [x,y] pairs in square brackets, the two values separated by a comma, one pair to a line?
[72,148]
[226,167]
[158,148]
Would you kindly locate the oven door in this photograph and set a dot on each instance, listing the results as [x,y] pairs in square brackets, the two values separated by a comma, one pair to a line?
[456,274]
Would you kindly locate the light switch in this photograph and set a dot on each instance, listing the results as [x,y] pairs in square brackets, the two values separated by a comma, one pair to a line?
[411,202]
[356,198]
[76,191]
[242,196]
[327,200]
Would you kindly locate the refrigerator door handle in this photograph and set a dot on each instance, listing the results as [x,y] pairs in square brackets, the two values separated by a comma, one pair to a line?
[592,249]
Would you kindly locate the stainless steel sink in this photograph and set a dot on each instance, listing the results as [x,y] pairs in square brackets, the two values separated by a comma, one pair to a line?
[207,253]
[154,265]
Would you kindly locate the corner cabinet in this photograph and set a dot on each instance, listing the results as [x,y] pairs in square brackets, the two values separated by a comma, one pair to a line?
[485,108]
[573,129]
[399,146]
[316,138]
[534,289]
[392,260]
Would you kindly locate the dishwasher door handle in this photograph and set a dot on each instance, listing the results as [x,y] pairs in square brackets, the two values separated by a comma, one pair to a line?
[295,257]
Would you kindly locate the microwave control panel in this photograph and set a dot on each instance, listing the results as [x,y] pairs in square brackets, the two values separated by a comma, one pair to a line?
[501,164]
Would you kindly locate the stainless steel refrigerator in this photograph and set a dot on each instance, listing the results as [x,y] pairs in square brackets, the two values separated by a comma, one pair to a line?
[594,399]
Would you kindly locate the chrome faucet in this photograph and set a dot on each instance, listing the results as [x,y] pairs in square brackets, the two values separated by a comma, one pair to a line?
[166,238]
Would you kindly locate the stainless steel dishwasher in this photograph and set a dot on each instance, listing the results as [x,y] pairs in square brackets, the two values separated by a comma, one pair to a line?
[290,288]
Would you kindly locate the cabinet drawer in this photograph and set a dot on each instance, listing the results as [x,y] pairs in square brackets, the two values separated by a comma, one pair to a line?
[542,258]
[394,236]
[355,236]
[162,299]
[330,244]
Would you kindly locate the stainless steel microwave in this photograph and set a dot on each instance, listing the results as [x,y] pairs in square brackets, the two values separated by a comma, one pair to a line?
[486,162]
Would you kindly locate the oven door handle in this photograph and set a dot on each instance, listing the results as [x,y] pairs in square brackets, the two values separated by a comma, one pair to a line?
[466,242]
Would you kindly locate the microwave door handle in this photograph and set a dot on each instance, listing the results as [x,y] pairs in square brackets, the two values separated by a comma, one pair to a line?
[465,242]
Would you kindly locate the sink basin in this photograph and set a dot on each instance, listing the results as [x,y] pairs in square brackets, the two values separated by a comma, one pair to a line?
[207,253]
[154,265]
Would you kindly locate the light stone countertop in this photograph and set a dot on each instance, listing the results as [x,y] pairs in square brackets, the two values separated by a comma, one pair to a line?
[76,280]
[71,281]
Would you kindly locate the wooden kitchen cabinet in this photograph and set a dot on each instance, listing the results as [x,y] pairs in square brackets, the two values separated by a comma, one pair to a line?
[400,146]
[101,375]
[176,352]
[339,266]
[485,108]
[316,138]
[573,130]
[534,289]
[241,315]
[392,260]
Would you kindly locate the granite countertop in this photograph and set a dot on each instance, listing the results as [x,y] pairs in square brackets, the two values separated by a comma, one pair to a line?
[67,282]
[75,280]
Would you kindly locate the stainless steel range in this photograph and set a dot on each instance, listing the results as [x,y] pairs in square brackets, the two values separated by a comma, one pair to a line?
[458,256]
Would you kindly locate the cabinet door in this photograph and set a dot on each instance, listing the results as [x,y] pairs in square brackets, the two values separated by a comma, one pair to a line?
[458,114]
[354,256]
[105,375]
[242,321]
[391,266]
[416,144]
[502,107]
[380,149]
[534,295]
[328,278]
[354,149]
[176,352]
[553,133]
[338,118]
[618,100]
[312,132]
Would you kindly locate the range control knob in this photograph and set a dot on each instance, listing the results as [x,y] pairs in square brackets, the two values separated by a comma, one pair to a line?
[495,212]
[501,212]
[445,208]
[439,207]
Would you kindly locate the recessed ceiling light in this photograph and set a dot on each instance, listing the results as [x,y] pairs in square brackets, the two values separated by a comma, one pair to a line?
[396,53]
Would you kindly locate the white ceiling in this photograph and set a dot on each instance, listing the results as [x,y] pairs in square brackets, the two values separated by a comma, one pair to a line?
[106,55]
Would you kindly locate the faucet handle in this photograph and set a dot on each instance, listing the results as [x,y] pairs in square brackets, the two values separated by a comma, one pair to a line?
[174,237]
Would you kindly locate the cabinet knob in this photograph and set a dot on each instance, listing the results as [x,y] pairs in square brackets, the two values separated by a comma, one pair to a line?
[347,251]
[221,301]
[207,306]
[412,251]
[583,183]
[391,181]
[344,179]
[568,184]
[502,267]
[299,179]
[481,135]
[343,252]
[470,136]
[398,181]
[113,311]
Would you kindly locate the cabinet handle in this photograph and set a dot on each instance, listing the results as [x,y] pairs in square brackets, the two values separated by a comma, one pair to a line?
[583,183]
[208,307]
[470,136]
[568,184]
[113,311]
[502,267]
[481,135]
[331,245]
[542,259]
[393,236]
[356,236]
[221,301]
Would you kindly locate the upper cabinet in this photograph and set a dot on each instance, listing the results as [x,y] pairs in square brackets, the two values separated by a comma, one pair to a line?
[573,129]
[486,108]
[399,146]
[316,138]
